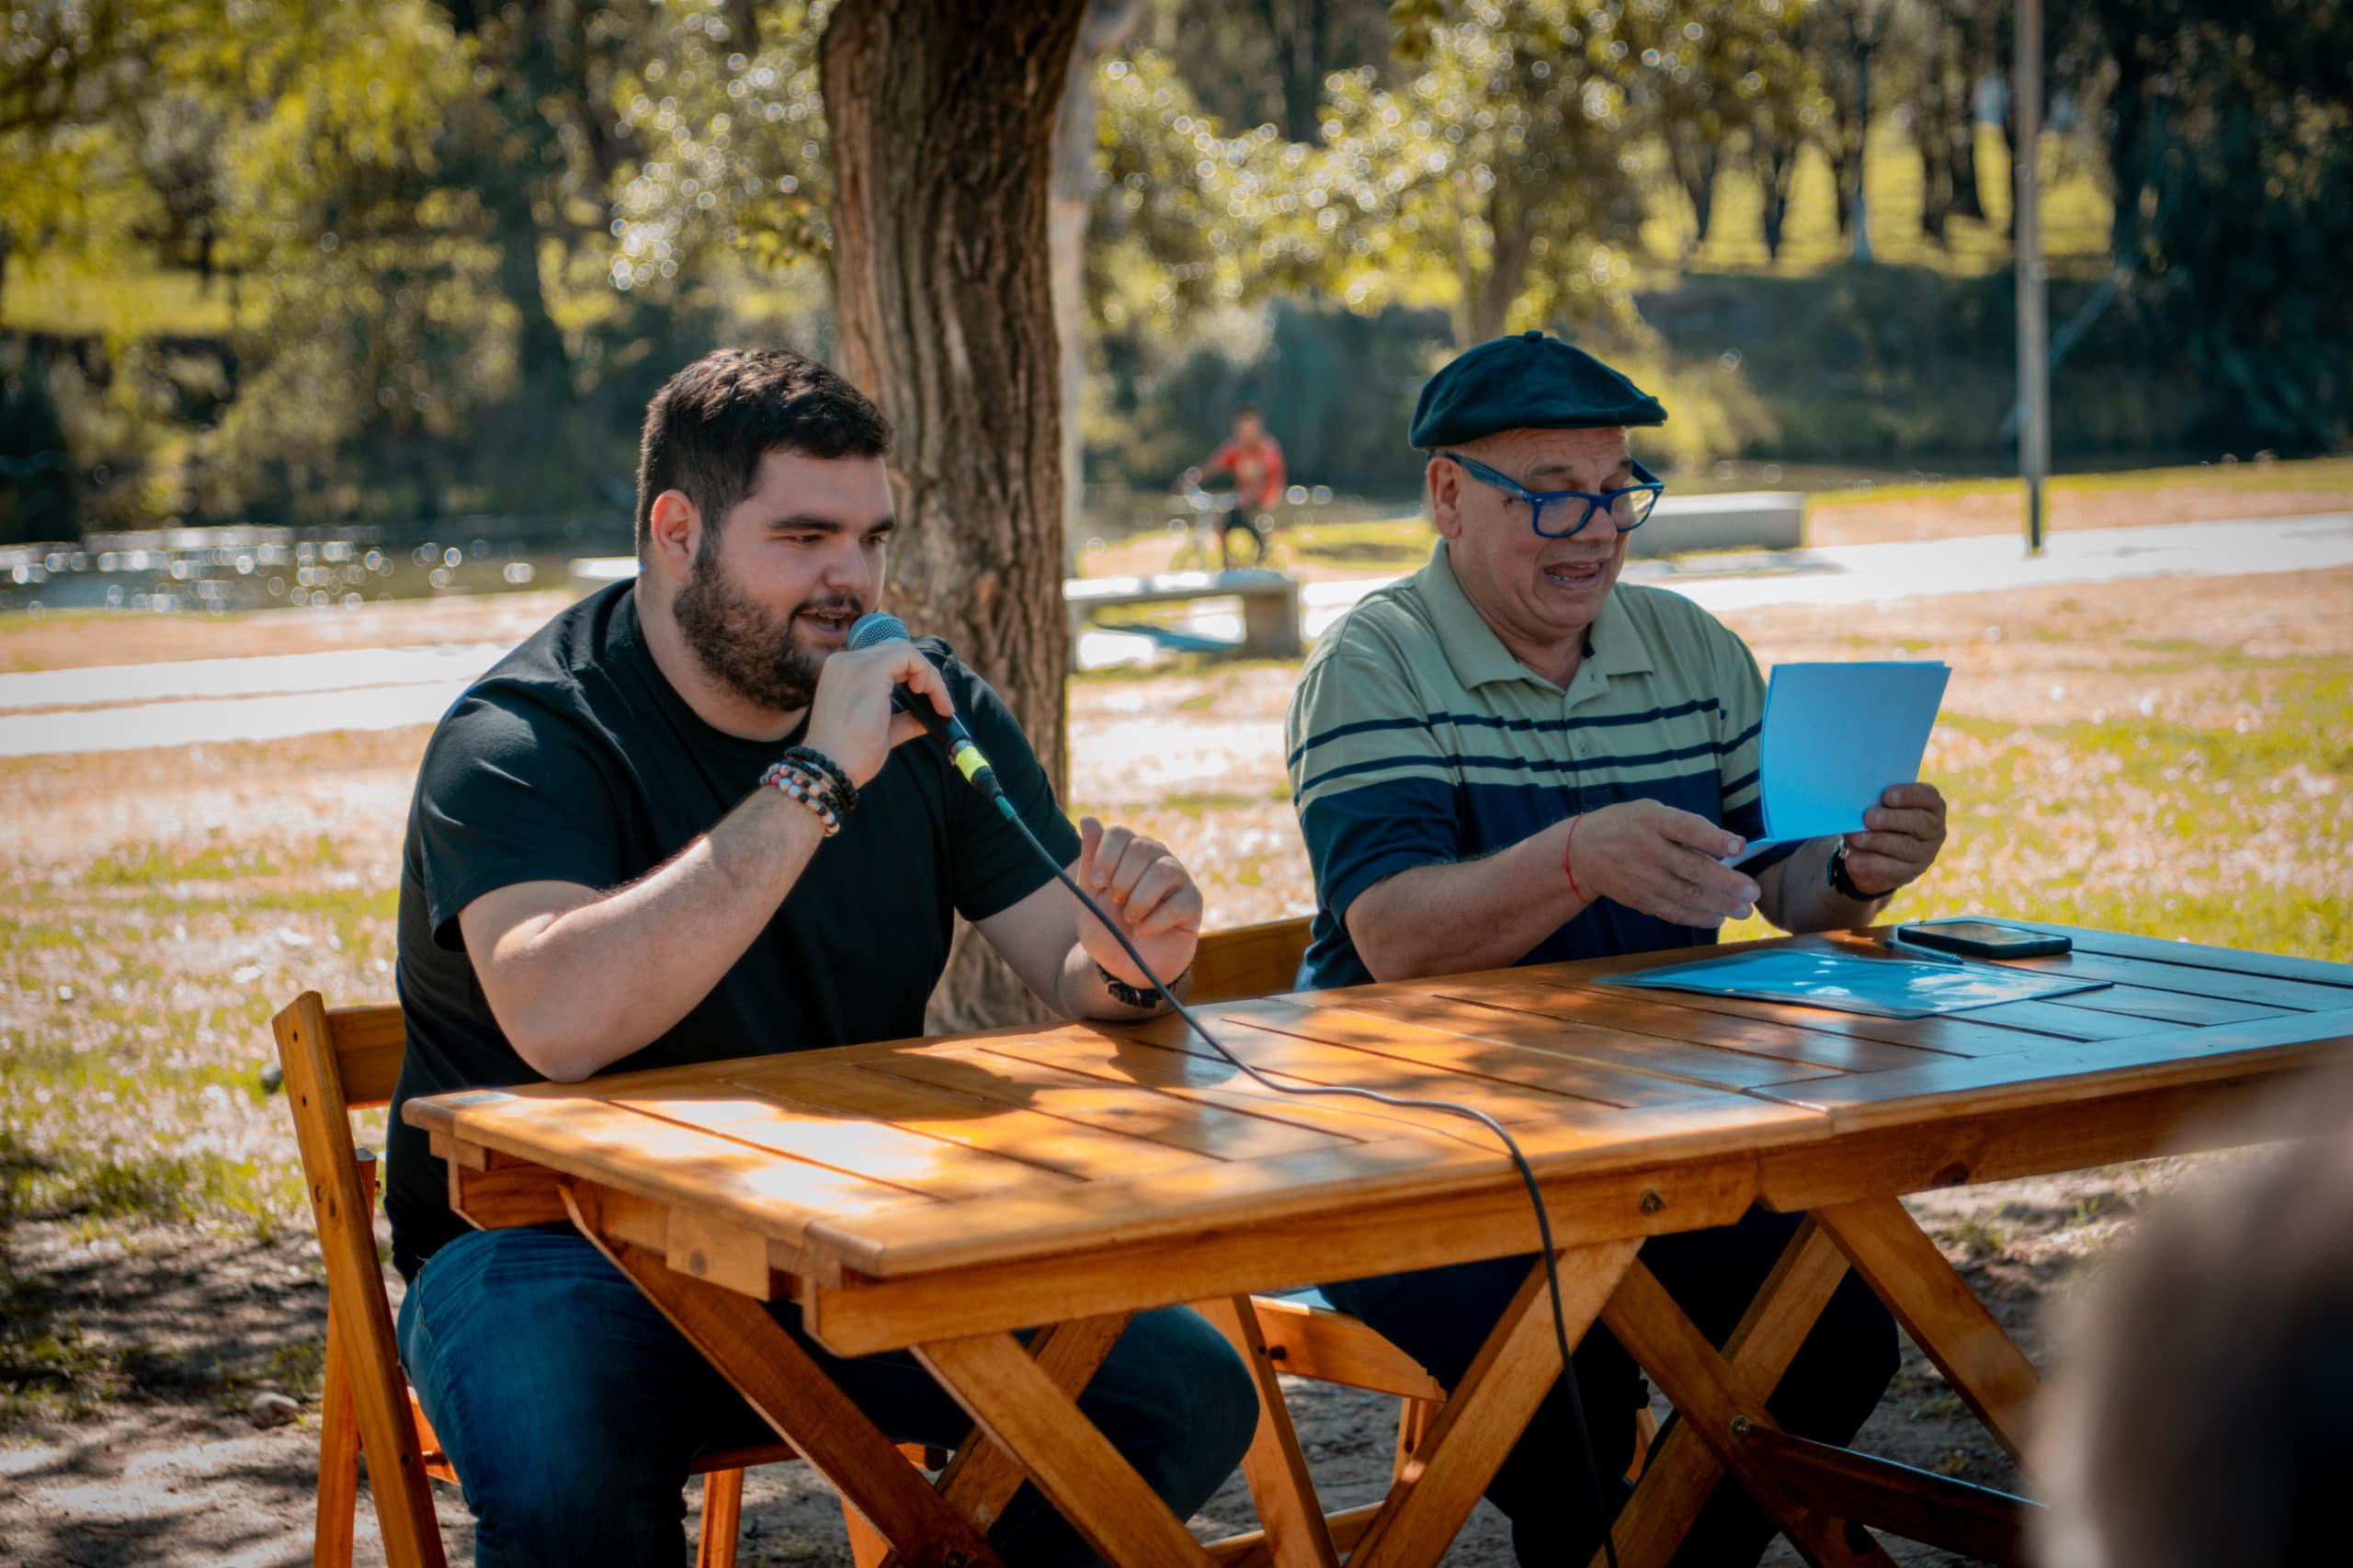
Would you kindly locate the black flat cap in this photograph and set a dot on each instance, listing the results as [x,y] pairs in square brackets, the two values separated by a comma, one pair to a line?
[1527,383]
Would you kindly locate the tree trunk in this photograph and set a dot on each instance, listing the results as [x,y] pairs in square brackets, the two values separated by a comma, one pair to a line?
[942,116]
[1301,33]
[1974,64]
[1489,292]
[540,360]
[1933,135]
[1774,160]
[1861,255]
[1694,154]
[1106,26]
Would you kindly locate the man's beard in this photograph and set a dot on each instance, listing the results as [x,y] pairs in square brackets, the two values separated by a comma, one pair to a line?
[758,658]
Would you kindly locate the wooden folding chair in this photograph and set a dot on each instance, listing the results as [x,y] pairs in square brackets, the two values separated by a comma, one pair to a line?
[342,1060]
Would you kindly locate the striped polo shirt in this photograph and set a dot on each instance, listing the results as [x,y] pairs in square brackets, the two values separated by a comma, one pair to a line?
[1415,738]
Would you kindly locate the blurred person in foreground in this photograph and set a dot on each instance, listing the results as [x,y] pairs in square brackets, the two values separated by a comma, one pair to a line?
[1254,459]
[1511,758]
[681,823]
[2200,1416]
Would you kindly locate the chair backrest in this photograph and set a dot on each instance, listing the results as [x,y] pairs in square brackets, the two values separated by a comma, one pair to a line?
[334,1062]
[1249,961]
[368,1044]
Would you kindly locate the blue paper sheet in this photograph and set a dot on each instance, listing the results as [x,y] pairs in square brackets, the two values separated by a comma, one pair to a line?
[1835,735]
[1888,988]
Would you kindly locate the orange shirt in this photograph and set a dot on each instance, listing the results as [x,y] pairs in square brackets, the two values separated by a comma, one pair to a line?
[1257,469]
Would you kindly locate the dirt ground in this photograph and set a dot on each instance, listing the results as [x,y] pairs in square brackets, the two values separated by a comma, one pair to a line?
[167,902]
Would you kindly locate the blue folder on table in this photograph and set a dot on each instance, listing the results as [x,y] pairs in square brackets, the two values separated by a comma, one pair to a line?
[1851,983]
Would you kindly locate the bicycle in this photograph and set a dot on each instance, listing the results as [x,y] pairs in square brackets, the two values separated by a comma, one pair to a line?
[1203,527]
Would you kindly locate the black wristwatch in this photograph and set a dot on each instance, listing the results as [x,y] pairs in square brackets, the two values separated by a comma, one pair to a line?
[1844,885]
[1137,996]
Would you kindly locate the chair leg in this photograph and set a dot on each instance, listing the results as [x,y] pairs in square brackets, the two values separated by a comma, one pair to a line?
[723,1518]
[338,1501]
[1414,1419]
[1646,1434]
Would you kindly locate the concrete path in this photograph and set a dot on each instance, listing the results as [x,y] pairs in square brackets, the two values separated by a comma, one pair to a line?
[117,708]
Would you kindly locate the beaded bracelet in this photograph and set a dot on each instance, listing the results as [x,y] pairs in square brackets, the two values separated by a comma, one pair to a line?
[845,792]
[806,787]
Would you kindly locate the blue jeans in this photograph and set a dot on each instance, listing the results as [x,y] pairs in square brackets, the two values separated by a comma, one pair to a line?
[572,1409]
[1440,1316]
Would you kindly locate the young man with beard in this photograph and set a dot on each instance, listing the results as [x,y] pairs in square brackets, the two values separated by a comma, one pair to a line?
[1509,758]
[678,824]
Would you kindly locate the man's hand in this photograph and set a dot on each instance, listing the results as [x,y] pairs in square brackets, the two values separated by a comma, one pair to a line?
[1905,831]
[850,718]
[1652,858]
[1148,890]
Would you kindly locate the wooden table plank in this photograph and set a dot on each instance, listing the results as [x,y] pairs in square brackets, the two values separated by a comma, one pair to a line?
[876,1151]
[1212,1081]
[2198,955]
[1449,1071]
[2167,1006]
[1375,1232]
[1655,1014]
[2265,990]
[990,1127]
[586,1135]
[1616,1065]
[2084,1071]
[2002,1030]
[1977,1033]
[1266,1192]
[1136,1112]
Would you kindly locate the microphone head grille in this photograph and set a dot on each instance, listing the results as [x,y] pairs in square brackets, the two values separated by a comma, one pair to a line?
[876,626]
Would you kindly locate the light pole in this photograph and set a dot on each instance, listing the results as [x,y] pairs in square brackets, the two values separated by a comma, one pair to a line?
[2026,225]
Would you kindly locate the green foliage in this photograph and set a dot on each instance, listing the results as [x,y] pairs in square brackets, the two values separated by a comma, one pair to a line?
[1878,361]
[734,135]
[2229,136]
[286,260]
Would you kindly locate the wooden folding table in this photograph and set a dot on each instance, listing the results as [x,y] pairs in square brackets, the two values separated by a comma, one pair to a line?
[939,1195]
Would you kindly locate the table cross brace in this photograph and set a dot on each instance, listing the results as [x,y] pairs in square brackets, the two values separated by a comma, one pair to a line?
[791,1392]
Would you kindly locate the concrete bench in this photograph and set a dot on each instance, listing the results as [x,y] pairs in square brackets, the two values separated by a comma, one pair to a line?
[1744,519]
[1269,602]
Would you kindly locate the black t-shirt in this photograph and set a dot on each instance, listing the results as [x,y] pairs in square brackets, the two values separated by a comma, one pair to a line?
[576,760]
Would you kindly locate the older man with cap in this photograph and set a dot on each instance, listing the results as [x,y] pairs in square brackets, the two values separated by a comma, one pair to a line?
[1511,758]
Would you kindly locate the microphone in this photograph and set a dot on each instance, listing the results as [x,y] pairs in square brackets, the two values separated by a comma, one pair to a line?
[881,626]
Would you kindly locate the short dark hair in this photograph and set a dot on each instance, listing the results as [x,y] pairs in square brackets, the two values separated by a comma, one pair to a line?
[1248,411]
[711,423]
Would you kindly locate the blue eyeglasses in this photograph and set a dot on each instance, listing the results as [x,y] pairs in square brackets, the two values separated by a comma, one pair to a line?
[1627,508]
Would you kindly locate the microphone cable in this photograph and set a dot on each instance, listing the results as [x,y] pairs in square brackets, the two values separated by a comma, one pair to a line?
[1603,1514]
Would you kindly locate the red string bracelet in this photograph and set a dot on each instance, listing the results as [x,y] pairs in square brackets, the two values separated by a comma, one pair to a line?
[1567,848]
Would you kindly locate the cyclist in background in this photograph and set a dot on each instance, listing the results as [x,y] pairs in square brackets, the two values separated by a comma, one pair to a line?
[1255,461]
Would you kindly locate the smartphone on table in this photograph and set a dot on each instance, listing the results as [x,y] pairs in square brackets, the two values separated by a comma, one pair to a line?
[1983,939]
